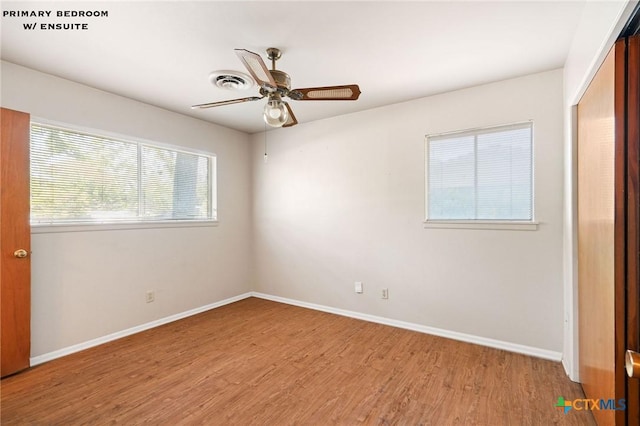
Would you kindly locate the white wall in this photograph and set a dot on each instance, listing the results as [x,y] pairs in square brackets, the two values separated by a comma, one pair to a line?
[598,29]
[86,285]
[342,200]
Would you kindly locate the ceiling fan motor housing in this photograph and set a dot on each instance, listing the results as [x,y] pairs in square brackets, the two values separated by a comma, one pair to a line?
[283,81]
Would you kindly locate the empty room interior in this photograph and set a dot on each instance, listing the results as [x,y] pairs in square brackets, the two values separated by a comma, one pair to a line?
[320,212]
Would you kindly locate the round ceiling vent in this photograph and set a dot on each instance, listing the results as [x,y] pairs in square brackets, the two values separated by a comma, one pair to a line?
[231,80]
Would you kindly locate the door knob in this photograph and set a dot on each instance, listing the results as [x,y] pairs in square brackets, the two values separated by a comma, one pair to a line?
[20,253]
[632,364]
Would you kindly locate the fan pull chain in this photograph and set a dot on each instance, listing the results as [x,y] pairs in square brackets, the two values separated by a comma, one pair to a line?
[265,143]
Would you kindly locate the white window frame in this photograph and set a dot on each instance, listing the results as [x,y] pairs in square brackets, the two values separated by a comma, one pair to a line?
[105,225]
[502,224]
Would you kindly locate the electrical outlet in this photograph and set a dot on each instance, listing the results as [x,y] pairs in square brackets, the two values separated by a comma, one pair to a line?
[151,296]
[385,293]
[359,288]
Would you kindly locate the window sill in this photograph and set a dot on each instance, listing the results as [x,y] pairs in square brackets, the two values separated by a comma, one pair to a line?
[89,227]
[479,224]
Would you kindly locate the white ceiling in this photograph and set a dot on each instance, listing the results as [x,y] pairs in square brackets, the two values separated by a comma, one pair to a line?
[162,52]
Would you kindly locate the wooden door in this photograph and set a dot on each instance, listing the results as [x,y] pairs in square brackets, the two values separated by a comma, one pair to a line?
[596,236]
[609,232]
[630,339]
[15,235]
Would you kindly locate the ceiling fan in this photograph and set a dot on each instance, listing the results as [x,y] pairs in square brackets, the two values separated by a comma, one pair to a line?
[276,84]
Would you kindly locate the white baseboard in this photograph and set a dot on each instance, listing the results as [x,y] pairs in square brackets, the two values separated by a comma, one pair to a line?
[117,335]
[469,338]
[498,344]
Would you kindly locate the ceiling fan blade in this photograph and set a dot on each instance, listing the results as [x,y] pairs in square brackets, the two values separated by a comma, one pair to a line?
[291,119]
[229,102]
[257,68]
[349,92]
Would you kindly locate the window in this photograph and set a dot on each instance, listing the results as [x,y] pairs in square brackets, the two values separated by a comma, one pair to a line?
[481,175]
[79,178]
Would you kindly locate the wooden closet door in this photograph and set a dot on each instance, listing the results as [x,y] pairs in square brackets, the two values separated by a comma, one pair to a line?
[596,237]
[15,243]
[609,232]
[632,269]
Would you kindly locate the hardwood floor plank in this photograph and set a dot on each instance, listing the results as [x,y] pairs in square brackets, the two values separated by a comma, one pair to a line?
[259,362]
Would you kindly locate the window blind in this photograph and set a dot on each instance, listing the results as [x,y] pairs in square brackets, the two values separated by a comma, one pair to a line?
[481,175]
[82,178]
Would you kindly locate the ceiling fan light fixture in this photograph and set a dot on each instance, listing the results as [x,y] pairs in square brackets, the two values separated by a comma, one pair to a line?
[274,84]
[275,112]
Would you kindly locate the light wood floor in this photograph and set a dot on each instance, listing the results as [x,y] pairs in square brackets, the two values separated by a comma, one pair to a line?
[260,362]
